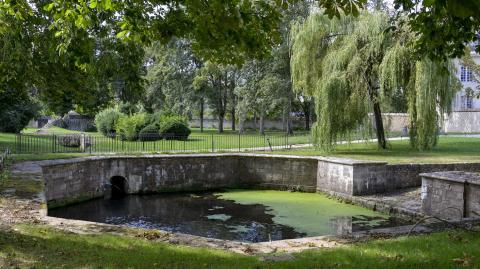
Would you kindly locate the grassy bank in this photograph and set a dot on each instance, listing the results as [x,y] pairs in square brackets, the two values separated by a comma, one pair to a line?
[448,150]
[41,247]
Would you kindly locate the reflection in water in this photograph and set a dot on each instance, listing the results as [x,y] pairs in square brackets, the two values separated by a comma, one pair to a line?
[200,214]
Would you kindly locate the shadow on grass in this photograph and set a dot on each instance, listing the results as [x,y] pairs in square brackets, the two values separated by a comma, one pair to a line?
[42,247]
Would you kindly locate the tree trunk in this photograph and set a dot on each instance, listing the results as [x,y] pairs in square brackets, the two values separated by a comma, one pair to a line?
[221,117]
[232,115]
[377,113]
[241,127]
[307,120]
[382,143]
[202,111]
[241,121]
[255,121]
[262,124]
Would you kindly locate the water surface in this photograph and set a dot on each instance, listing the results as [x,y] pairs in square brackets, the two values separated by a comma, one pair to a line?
[242,215]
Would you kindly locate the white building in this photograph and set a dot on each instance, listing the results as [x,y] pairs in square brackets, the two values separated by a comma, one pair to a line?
[463,100]
[465,117]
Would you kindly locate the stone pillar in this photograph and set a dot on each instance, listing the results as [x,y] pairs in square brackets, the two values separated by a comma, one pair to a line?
[352,177]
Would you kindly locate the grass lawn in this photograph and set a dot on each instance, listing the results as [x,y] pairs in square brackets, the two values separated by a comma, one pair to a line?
[448,150]
[36,246]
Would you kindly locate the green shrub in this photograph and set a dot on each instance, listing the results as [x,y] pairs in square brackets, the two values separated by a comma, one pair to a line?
[174,127]
[106,121]
[157,117]
[150,133]
[128,127]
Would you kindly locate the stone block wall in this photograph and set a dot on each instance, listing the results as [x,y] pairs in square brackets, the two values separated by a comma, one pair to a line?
[472,195]
[451,194]
[79,179]
[280,172]
[443,199]
[408,175]
[75,180]
[351,177]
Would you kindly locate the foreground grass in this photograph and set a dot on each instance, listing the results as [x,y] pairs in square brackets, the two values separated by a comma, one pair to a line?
[448,150]
[41,247]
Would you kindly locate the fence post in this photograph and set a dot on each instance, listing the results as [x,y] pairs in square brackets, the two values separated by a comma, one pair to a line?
[286,144]
[213,146]
[91,144]
[264,142]
[239,149]
[19,143]
[84,143]
[54,140]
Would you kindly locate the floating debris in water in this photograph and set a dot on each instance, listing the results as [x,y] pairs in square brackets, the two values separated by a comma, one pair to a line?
[221,217]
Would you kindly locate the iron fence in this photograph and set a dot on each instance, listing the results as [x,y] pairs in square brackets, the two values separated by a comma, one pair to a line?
[87,143]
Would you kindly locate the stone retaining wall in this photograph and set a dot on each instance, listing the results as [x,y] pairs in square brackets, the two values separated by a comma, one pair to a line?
[85,178]
[75,180]
[408,175]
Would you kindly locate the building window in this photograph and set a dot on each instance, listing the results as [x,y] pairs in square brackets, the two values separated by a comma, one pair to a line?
[466,74]
[469,103]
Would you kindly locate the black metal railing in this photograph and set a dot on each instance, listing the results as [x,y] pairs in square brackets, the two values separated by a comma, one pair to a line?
[88,143]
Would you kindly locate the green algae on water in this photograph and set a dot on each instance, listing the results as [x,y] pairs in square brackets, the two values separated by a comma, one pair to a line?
[310,213]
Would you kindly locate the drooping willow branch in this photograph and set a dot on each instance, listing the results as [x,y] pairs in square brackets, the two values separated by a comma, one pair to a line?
[352,67]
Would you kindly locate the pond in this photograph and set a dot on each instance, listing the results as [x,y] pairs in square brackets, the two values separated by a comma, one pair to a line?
[241,215]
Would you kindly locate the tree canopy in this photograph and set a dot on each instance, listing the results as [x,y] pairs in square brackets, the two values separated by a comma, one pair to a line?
[353,65]
[443,27]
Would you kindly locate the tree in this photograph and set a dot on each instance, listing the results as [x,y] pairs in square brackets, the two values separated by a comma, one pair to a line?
[87,78]
[261,92]
[89,52]
[228,31]
[348,65]
[16,110]
[429,85]
[16,74]
[218,81]
[171,69]
[443,27]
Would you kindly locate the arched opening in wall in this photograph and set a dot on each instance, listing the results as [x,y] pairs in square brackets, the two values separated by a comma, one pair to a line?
[118,187]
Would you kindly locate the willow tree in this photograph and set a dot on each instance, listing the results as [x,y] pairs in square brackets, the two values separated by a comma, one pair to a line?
[353,65]
[429,86]
[337,61]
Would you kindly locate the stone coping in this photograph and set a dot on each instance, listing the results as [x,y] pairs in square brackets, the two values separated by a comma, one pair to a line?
[31,169]
[346,161]
[455,176]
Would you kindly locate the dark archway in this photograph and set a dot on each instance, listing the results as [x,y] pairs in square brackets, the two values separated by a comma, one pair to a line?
[118,187]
